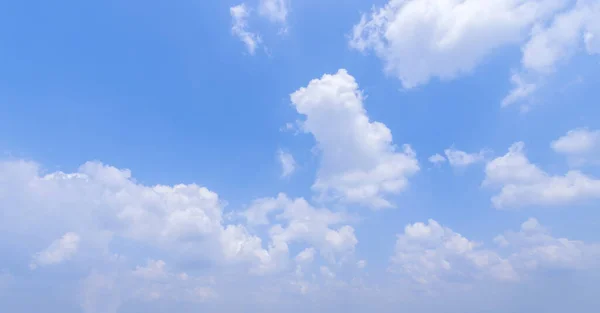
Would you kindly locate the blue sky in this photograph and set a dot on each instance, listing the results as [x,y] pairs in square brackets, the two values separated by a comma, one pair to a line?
[274,155]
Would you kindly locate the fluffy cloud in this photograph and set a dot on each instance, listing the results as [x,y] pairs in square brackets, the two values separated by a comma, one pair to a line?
[429,253]
[182,222]
[59,251]
[417,38]
[287,162]
[522,183]
[100,199]
[534,248]
[275,10]
[302,223]
[579,145]
[239,28]
[359,162]
[552,43]
[569,30]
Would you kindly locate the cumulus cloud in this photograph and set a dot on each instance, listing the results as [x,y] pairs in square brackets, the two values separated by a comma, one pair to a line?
[534,248]
[569,30]
[522,183]
[239,28]
[287,162]
[59,251]
[300,222]
[553,43]
[416,38]
[103,199]
[429,253]
[359,162]
[580,145]
[184,223]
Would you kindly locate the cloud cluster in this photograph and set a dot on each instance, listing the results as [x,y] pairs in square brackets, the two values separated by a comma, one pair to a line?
[522,183]
[419,40]
[298,221]
[429,253]
[100,199]
[533,248]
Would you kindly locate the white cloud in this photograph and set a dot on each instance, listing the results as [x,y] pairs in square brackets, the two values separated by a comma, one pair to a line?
[437,159]
[359,162]
[275,10]
[100,199]
[302,223]
[417,38]
[534,248]
[257,213]
[239,16]
[182,220]
[563,37]
[59,251]
[429,253]
[287,162]
[581,145]
[458,158]
[553,43]
[522,183]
